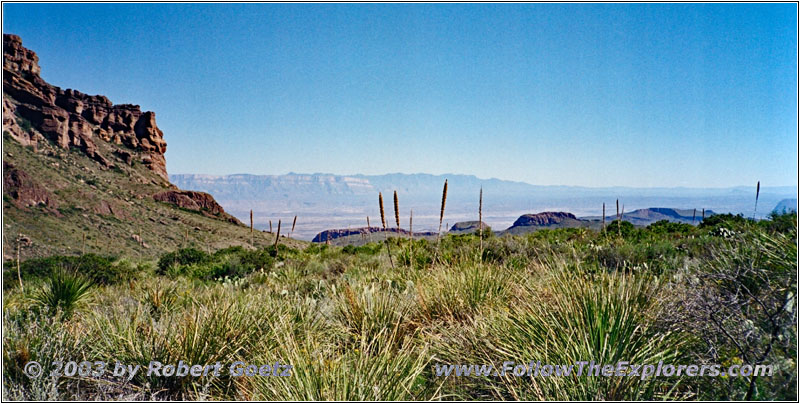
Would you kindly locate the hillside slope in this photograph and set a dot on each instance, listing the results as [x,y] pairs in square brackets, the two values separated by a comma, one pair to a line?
[81,174]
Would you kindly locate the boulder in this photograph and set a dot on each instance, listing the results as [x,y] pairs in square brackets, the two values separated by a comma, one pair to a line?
[24,190]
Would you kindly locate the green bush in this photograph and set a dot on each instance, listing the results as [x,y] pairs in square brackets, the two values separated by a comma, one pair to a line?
[665,226]
[615,228]
[98,269]
[732,221]
[780,222]
[185,256]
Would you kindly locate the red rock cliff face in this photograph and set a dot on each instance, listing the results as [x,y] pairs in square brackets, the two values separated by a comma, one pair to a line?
[71,118]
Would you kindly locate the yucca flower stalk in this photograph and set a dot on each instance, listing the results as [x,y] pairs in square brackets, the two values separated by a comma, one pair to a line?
[383,223]
[411,236]
[278,235]
[755,208]
[396,212]
[604,217]
[411,224]
[441,218]
[480,222]
[383,214]
[294,222]
[441,212]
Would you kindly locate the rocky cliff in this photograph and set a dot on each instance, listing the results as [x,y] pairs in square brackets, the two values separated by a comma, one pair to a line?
[33,108]
[81,174]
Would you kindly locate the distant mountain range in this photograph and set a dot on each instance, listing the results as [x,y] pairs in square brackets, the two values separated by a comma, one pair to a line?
[328,201]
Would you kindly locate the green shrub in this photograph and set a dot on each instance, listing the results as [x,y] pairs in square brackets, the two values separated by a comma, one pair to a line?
[715,221]
[185,256]
[665,226]
[367,249]
[780,222]
[24,124]
[615,228]
[99,269]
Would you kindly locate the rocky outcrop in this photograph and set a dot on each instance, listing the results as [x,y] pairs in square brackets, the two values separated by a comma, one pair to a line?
[645,217]
[544,219]
[110,208]
[468,227]
[333,234]
[197,201]
[24,190]
[70,118]
[785,206]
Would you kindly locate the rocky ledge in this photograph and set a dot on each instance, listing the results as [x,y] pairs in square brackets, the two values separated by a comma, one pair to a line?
[197,201]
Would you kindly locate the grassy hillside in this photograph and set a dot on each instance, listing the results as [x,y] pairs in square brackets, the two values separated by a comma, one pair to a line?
[356,325]
[106,206]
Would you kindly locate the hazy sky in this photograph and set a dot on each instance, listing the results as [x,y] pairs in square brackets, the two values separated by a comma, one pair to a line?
[574,94]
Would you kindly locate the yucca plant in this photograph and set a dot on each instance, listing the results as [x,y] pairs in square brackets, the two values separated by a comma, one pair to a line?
[457,293]
[64,292]
[605,318]
[373,368]
[159,299]
[368,312]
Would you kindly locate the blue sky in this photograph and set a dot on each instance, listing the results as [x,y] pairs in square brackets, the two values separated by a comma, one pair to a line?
[552,94]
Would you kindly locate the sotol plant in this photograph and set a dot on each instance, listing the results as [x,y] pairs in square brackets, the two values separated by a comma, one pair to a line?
[64,291]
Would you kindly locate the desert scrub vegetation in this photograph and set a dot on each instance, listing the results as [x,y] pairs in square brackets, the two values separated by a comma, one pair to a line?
[354,327]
